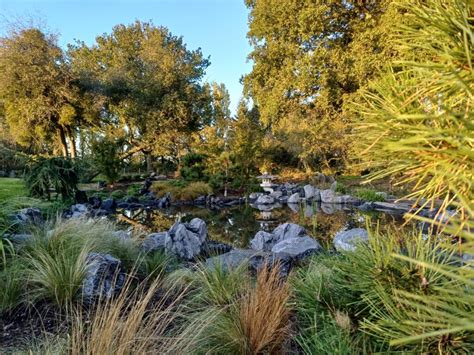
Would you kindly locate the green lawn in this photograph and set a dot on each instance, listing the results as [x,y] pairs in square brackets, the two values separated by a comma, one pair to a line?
[10,188]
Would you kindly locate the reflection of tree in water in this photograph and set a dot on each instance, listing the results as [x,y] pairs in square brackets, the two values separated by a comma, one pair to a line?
[160,222]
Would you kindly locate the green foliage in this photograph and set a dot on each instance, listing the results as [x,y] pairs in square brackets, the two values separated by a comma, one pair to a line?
[192,167]
[41,101]
[219,286]
[155,265]
[106,156]
[44,174]
[340,188]
[369,195]
[416,121]
[147,83]
[310,57]
[12,281]
[181,190]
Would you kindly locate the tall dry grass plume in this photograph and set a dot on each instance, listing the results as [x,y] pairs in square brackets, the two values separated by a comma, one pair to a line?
[137,321]
[264,315]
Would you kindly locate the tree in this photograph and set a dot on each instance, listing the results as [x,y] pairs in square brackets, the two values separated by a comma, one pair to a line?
[246,142]
[309,58]
[149,81]
[41,102]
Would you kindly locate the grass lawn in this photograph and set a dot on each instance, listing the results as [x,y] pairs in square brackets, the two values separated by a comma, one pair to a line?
[11,187]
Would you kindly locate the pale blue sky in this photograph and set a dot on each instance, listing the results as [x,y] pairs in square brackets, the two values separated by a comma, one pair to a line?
[219,27]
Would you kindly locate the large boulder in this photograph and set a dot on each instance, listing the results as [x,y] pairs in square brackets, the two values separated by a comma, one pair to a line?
[258,261]
[311,193]
[294,198]
[288,230]
[297,247]
[104,277]
[347,240]
[154,242]
[264,241]
[109,205]
[232,259]
[186,239]
[212,248]
[265,200]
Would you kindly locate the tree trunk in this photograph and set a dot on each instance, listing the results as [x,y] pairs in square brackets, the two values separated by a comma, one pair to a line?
[62,142]
[149,162]
[72,146]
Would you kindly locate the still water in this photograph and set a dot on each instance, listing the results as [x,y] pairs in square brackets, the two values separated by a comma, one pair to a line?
[237,225]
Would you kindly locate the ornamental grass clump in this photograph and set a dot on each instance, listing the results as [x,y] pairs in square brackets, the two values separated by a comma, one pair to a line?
[256,322]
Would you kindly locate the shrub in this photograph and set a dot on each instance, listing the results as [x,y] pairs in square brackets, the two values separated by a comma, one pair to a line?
[369,195]
[193,167]
[155,265]
[43,174]
[106,156]
[180,191]
[194,190]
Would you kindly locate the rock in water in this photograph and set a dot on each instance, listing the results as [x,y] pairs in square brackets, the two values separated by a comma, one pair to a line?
[185,239]
[104,277]
[349,239]
[297,248]
[295,198]
[288,230]
[264,241]
[311,193]
[265,200]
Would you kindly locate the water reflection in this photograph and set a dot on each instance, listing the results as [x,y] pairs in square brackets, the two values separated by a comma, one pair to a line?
[237,225]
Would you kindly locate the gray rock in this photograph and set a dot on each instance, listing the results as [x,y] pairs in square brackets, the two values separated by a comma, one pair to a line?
[265,200]
[232,259]
[154,242]
[30,215]
[185,239]
[297,247]
[348,240]
[19,240]
[366,207]
[104,277]
[276,194]
[260,260]
[334,186]
[199,227]
[109,205]
[262,241]
[123,235]
[295,198]
[288,230]
[254,195]
[78,210]
[311,193]
[327,196]
[392,206]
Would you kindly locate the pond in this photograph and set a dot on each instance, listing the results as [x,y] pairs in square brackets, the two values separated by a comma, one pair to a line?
[237,225]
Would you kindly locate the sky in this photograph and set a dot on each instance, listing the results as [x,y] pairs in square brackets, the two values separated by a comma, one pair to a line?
[218,27]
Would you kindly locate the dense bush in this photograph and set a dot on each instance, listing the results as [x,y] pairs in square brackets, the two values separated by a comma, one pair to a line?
[106,157]
[43,174]
[193,167]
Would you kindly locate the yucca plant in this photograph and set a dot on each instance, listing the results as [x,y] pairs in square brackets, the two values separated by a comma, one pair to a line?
[417,121]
